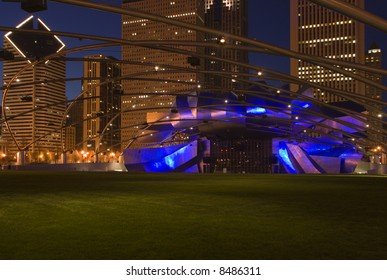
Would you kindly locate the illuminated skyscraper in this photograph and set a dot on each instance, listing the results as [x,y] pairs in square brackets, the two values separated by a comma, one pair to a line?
[74,121]
[35,106]
[229,16]
[101,103]
[373,58]
[318,31]
[156,83]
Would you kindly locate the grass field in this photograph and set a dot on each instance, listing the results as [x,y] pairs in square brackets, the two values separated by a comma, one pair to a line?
[178,216]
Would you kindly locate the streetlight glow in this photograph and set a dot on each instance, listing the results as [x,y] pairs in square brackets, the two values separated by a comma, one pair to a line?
[222,40]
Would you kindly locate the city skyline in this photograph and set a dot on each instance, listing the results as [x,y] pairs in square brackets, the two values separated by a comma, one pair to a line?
[103,101]
[319,31]
[88,21]
[151,144]
[34,130]
[229,19]
[139,93]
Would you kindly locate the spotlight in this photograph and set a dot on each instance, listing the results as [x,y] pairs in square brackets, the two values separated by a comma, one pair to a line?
[222,40]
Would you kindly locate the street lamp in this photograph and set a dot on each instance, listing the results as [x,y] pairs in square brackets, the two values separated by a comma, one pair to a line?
[222,40]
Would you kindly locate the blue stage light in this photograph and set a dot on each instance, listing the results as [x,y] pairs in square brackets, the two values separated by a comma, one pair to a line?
[284,156]
[256,110]
[174,160]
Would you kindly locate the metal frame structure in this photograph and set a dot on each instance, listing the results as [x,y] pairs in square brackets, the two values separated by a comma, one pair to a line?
[250,45]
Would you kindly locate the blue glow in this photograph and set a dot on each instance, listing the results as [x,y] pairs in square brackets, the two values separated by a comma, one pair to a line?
[192,169]
[256,110]
[284,156]
[301,104]
[174,160]
[170,161]
[318,149]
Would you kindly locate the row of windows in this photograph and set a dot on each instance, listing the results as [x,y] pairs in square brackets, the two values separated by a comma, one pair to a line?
[326,24]
[329,39]
[230,4]
[169,16]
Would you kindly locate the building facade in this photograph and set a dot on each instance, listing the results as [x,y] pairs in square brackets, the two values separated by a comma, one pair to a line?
[101,103]
[231,17]
[318,31]
[373,57]
[149,88]
[73,144]
[34,107]
[74,124]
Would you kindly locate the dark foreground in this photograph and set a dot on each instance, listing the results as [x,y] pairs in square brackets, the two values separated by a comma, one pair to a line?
[178,216]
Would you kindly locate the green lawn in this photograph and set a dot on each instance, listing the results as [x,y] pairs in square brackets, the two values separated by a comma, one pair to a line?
[178,216]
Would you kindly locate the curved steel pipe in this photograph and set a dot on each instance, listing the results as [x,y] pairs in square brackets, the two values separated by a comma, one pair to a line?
[354,12]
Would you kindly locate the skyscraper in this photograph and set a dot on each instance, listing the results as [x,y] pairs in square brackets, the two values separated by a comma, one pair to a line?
[74,131]
[229,16]
[35,105]
[102,102]
[373,58]
[318,31]
[74,121]
[149,85]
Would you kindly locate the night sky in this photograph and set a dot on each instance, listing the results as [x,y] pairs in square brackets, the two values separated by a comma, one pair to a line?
[268,21]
